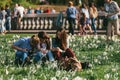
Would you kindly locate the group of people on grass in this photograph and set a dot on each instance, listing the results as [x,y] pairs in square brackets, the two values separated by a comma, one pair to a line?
[41,47]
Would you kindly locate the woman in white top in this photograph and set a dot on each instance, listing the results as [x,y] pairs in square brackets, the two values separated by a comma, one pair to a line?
[3,27]
[44,46]
[84,10]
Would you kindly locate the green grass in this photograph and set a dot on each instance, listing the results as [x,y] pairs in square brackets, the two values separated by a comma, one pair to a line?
[103,57]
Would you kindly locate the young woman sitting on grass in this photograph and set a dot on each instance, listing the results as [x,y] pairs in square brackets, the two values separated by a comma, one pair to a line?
[62,52]
[44,47]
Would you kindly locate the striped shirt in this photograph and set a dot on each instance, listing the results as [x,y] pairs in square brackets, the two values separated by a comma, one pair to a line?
[112,7]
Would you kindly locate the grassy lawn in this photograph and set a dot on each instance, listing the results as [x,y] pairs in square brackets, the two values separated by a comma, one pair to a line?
[103,57]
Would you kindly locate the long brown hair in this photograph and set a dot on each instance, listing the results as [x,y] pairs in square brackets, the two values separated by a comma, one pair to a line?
[43,35]
[62,41]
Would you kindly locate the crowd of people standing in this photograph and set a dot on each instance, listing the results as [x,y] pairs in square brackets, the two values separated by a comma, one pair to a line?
[5,19]
[6,14]
[85,16]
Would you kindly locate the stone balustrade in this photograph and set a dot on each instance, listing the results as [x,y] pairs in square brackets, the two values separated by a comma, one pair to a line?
[46,21]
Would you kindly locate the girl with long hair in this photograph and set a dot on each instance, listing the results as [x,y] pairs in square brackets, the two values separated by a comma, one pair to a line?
[60,45]
[44,46]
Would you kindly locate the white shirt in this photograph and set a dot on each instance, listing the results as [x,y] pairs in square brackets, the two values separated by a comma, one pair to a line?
[15,11]
[86,12]
[21,10]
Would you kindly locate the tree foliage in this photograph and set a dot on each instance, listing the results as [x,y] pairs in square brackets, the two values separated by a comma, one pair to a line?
[98,3]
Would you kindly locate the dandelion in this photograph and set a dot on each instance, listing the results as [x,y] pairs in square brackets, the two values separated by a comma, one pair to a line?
[107,76]
[73,37]
[34,71]
[38,66]
[12,68]
[9,41]
[79,78]
[74,45]
[113,69]
[99,62]
[1,78]
[25,79]
[96,37]
[104,53]
[14,40]
[64,78]
[103,37]
[58,73]
[90,65]
[6,71]
[2,47]
[12,77]
[117,51]
[111,48]
[53,78]
[98,41]
[18,36]
[96,60]
[99,57]
[54,65]
[89,46]
[13,36]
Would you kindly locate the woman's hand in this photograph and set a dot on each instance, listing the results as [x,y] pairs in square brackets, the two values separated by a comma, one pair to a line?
[44,51]
[56,49]
[24,50]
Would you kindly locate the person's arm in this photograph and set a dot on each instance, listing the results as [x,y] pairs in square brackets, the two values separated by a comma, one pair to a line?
[91,12]
[38,47]
[50,43]
[77,14]
[96,12]
[68,42]
[19,49]
[17,44]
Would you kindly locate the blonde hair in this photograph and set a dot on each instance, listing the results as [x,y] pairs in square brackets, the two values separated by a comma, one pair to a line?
[70,3]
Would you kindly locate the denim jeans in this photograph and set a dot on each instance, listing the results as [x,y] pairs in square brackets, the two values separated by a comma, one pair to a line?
[20,56]
[8,23]
[50,55]
[39,55]
[71,22]
[93,24]
[2,25]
